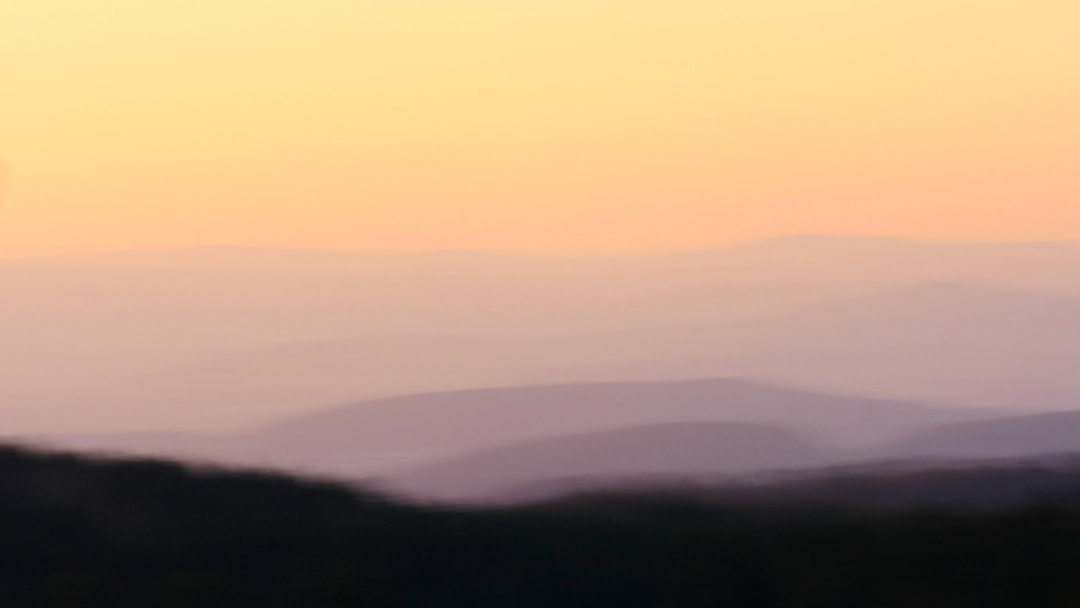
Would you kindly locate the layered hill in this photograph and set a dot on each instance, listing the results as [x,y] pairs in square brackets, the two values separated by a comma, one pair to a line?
[222,339]
[708,454]
[678,450]
[1003,438]
[378,436]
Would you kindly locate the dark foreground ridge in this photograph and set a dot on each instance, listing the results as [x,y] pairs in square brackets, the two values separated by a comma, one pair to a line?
[80,532]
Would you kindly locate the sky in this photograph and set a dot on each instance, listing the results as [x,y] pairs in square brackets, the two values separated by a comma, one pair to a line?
[546,126]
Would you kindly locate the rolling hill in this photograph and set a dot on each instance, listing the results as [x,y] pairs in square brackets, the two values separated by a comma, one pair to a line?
[1053,433]
[678,450]
[220,339]
[705,454]
[378,436]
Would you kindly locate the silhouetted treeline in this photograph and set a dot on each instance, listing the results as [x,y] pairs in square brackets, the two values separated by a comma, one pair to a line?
[78,532]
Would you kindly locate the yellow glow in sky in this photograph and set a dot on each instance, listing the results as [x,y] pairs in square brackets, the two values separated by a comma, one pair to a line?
[553,125]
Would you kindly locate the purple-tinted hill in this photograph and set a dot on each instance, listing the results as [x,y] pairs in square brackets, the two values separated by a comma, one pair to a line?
[1003,438]
[454,422]
[679,449]
[383,435]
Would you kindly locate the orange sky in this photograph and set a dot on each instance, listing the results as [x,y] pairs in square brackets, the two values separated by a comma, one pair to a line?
[541,125]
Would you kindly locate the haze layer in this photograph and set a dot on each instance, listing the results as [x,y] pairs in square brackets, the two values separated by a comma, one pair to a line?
[227,338]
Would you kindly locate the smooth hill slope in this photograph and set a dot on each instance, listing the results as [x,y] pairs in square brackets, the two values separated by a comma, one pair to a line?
[679,449]
[1003,438]
[931,343]
[934,342]
[699,452]
[462,419]
[382,435]
[179,340]
[375,435]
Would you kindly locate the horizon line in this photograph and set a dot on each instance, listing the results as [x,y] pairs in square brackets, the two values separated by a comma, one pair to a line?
[541,254]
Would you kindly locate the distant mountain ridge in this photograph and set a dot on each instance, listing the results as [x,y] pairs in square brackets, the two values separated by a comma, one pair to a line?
[1057,432]
[222,338]
[709,454]
[389,434]
[467,444]
[675,449]
[514,413]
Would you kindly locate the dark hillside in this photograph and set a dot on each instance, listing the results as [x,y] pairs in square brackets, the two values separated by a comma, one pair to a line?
[77,532]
